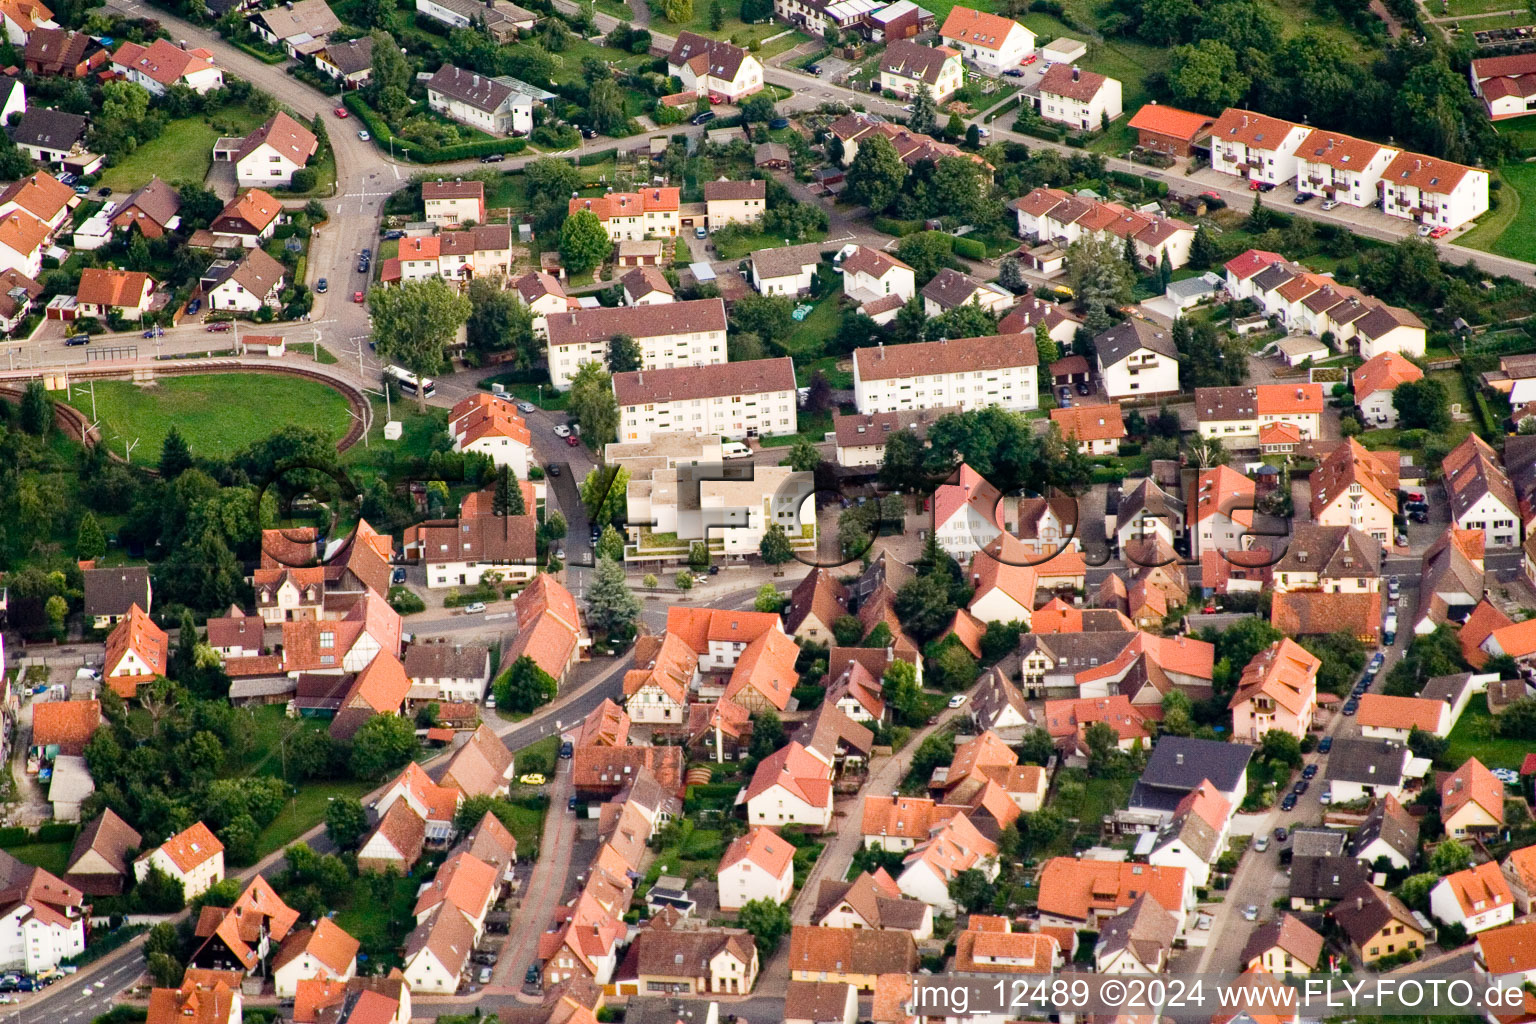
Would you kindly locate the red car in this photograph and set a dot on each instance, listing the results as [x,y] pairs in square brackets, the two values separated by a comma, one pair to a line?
[716,100]
[573,440]
[1210,195]
[341,112]
[219,327]
[1440,232]
[357,297]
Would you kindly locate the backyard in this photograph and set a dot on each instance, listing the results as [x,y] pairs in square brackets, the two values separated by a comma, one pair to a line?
[1474,736]
[183,152]
[217,414]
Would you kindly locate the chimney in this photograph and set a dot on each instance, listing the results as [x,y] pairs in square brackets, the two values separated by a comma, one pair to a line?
[1076,74]
[1178,758]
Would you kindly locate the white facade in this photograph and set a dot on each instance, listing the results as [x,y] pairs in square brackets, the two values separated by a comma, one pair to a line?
[1422,203]
[1086,114]
[1321,168]
[746,880]
[263,167]
[661,347]
[203,875]
[1501,524]
[425,973]
[777,806]
[731,416]
[306,965]
[1143,372]
[27,943]
[1444,905]
[1015,388]
[994,53]
[1256,147]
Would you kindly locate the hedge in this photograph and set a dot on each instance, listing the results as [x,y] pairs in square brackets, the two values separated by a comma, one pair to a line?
[427,154]
[14,835]
[591,159]
[1129,180]
[57,832]
[899,228]
[1040,131]
[970,249]
[717,796]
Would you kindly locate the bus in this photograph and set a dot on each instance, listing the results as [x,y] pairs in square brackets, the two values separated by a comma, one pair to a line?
[408,383]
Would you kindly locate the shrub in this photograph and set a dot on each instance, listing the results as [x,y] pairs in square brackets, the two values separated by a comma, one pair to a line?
[970,248]
[304,180]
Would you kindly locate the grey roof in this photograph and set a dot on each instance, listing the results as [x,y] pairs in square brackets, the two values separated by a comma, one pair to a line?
[351,57]
[49,129]
[995,694]
[112,591]
[1120,341]
[1145,928]
[1326,878]
[1520,463]
[1450,688]
[313,18]
[785,262]
[914,60]
[671,1010]
[1310,841]
[479,91]
[1178,763]
[1149,497]
[1193,287]
[1397,828]
[1368,762]
[950,288]
[1226,403]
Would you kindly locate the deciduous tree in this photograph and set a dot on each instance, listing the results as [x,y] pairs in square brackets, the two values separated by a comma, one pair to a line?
[414,321]
[584,242]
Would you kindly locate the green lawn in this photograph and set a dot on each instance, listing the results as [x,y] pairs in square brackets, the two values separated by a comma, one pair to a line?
[418,433]
[1087,801]
[51,857]
[1516,20]
[735,247]
[810,336]
[1497,233]
[1462,8]
[839,379]
[218,414]
[733,28]
[1474,736]
[378,924]
[813,426]
[183,152]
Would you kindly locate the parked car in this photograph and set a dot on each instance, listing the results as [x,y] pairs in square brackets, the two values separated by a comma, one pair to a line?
[1289,802]
[588,133]
[322,286]
[493,158]
[532,779]
[1329,204]
[78,339]
[561,430]
[1418,515]
[220,326]
[194,306]
[485,975]
[1251,912]
[1261,843]
[572,804]
[1281,835]
[393,235]
[525,407]
[573,441]
[1301,787]
[357,297]
[552,470]
[104,191]
[1013,73]
[398,576]
[82,190]
[1325,744]
[1083,388]
[567,749]
[155,332]
[1309,772]
[1302,197]
[1424,230]
[703,117]
[958,700]
[700,233]
[475,608]
[1440,232]
[1393,587]
[1351,706]
[364,136]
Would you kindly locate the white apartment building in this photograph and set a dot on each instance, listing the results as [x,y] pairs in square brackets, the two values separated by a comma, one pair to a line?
[969,373]
[1256,146]
[737,400]
[991,42]
[1434,192]
[674,334]
[1137,359]
[1341,167]
[1083,99]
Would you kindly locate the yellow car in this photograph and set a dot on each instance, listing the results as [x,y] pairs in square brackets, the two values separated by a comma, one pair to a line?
[535,779]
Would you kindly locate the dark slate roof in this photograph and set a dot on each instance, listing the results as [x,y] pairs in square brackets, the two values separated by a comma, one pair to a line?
[1326,878]
[1368,762]
[1120,341]
[53,129]
[112,591]
[1178,763]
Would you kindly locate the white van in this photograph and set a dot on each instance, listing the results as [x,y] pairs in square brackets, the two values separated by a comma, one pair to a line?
[735,450]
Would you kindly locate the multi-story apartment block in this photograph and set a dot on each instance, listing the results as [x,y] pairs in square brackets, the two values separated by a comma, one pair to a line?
[1436,192]
[1341,167]
[1237,415]
[745,399]
[1255,146]
[673,334]
[630,216]
[970,373]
